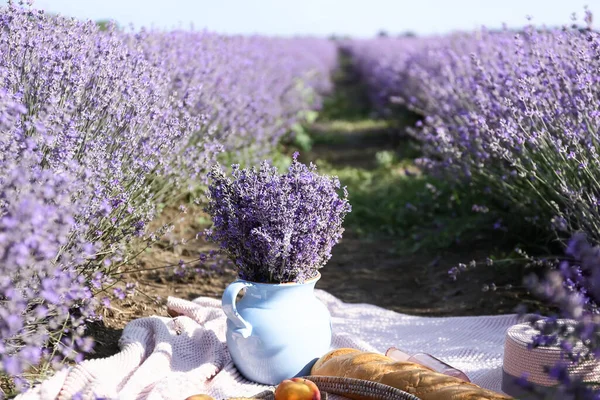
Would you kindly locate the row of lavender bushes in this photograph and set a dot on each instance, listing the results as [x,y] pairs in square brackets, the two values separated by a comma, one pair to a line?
[515,117]
[513,113]
[99,127]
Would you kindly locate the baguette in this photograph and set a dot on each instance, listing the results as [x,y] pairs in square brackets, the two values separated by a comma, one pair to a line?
[413,378]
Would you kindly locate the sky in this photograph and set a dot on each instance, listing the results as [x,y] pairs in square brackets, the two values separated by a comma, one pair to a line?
[358,18]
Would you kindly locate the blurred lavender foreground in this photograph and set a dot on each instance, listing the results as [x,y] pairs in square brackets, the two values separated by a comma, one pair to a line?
[98,127]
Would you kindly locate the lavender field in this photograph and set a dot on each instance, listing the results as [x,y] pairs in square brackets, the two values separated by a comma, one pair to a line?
[471,163]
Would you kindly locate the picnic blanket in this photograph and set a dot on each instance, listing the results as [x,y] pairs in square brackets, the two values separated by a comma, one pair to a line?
[165,358]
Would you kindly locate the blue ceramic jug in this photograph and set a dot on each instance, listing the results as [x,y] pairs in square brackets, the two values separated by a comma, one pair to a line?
[276,331]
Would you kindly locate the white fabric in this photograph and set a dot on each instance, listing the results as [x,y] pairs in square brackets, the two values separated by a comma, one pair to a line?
[172,358]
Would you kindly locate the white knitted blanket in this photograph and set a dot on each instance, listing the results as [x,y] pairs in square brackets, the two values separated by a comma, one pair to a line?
[172,358]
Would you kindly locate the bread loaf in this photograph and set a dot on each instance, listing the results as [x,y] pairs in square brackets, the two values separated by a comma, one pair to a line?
[413,378]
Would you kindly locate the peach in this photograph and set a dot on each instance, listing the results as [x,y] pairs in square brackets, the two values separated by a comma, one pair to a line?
[200,397]
[297,389]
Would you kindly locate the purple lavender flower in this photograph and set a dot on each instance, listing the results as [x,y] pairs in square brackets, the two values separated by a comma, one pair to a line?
[276,227]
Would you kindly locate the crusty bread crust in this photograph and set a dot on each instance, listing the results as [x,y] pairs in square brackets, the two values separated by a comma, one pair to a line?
[413,378]
[332,353]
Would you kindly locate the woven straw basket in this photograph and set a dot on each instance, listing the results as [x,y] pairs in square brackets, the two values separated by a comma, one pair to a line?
[519,360]
[346,387]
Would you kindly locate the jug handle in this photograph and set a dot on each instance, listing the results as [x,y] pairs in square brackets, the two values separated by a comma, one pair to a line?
[228,303]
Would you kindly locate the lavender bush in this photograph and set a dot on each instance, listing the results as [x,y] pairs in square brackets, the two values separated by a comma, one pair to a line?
[98,128]
[45,301]
[514,115]
[276,227]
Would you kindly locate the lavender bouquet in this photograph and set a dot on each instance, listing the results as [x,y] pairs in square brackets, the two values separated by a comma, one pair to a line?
[276,227]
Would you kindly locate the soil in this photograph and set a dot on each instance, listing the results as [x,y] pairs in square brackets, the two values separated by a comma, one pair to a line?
[362,269]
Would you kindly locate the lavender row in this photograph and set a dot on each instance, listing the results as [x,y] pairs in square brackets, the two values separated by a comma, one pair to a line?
[514,113]
[382,65]
[250,90]
[99,127]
